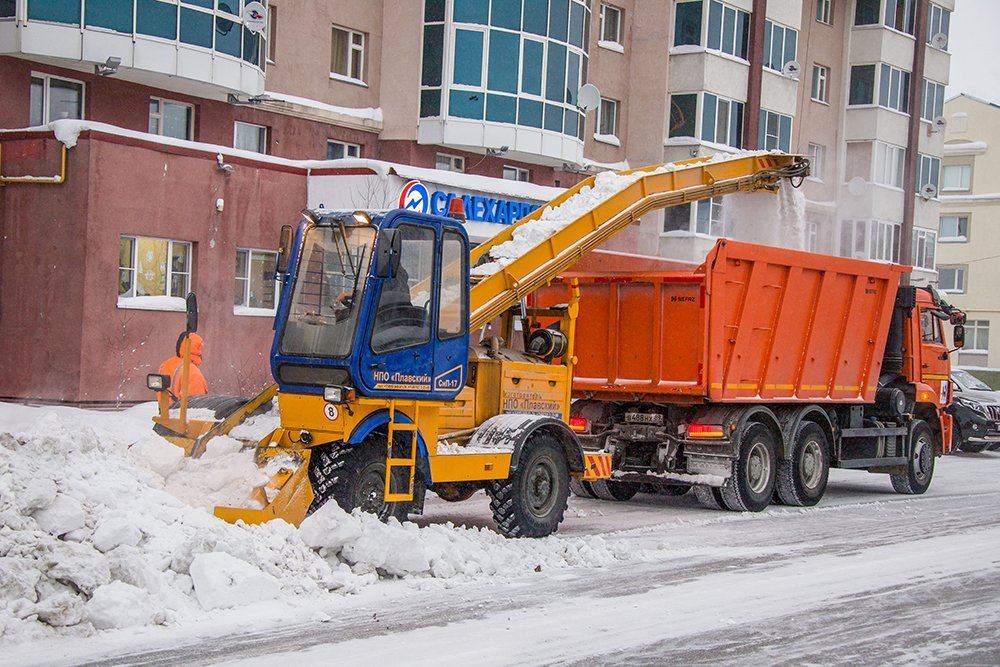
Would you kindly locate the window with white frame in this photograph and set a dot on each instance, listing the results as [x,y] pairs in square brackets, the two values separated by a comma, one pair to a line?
[347,55]
[703,217]
[611,24]
[728,28]
[889,164]
[824,11]
[812,236]
[516,174]
[870,239]
[951,279]
[938,21]
[336,150]
[722,121]
[816,153]
[820,78]
[928,171]
[866,12]
[446,162]
[255,280]
[924,244]
[683,115]
[607,118]
[780,45]
[899,15]
[933,102]
[54,98]
[171,119]
[250,137]
[956,177]
[271,31]
[977,336]
[775,131]
[894,88]
[153,267]
[862,85]
[953,229]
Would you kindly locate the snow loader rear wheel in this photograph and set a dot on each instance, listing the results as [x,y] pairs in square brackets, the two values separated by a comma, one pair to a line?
[802,478]
[531,502]
[581,488]
[354,477]
[607,489]
[709,497]
[920,468]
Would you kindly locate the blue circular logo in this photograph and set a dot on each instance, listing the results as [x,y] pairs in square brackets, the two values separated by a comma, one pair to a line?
[415,197]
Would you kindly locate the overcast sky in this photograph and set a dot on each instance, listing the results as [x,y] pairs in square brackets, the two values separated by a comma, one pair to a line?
[974,45]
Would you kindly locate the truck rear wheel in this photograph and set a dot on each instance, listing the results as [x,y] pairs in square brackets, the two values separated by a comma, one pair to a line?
[920,468]
[802,478]
[751,484]
[709,497]
[608,489]
[531,502]
[581,488]
[354,477]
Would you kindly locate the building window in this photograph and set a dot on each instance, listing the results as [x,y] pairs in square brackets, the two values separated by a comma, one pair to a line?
[450,163]
[611,24]
[780,44]
[821,75]
[816,154]
[862,85]
[728,29]
[894,89]
[977,336]
[924,242]
[153,267]
[53,98]
[812,236]
[933,102]
[336,150]
[867,12]
[687,23]
[870,239]
[889,164]
[938,21]
[824,11]
[516,174]
[951,279]
[255,279]
[899,15]
[171,119]
[683,115]
[347,55]
[271,32]
[607,118]
[953,229]
[956,177]
[708,218]
[928,171]
[250,137]
[722,121]
[775,131]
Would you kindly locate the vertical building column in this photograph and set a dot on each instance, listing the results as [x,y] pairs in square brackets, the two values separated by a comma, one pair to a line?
[751,112]
[913,136]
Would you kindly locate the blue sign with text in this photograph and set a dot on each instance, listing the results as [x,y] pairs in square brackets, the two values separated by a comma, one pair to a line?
[417,197]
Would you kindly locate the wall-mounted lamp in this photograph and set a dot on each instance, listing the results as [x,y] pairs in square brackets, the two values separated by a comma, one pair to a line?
[496,152]
[108,67]
[221,164]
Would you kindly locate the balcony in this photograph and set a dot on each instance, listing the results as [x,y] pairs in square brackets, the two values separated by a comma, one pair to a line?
[185,45]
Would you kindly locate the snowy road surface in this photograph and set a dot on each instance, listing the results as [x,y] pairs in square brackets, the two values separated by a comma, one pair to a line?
[867,578]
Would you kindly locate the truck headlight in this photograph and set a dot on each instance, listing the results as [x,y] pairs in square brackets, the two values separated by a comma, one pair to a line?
[157,382]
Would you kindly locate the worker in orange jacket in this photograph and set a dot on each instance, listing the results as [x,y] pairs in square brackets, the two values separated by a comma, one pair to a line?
[174,366]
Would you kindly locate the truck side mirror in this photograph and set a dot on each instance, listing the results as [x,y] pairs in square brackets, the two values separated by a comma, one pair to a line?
[284,249]
[958,336]
[387,258]
[192,312]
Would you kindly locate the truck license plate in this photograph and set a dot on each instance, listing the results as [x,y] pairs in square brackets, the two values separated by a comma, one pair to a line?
[644,418]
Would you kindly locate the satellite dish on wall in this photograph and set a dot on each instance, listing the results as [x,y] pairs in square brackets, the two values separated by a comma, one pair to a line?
[857,186]
[938,124]
[939,40]
[589,97]
[791,69]
[928,191]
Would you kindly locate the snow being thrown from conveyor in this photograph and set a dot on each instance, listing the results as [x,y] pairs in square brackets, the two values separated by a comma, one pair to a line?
[553,219]
[104,525]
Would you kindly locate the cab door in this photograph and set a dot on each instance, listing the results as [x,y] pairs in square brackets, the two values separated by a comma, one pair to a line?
[934,364]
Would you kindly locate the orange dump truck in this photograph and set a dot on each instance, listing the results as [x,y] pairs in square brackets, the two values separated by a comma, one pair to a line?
[751,375]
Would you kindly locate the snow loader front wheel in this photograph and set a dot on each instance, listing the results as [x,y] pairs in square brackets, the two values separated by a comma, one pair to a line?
[532,501]
[354,477]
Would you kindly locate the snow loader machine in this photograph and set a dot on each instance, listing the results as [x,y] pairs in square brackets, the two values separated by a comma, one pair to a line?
[383,395]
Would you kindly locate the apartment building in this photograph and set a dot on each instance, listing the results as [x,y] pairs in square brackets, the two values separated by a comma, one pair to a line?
[968,261]
[209,123]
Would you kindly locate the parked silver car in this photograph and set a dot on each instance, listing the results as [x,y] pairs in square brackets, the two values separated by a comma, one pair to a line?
[975,412]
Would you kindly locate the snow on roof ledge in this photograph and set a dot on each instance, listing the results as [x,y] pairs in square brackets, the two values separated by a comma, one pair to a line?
[966,148]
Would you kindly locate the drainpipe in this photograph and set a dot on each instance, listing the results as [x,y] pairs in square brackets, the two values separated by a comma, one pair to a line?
[913,137]
[751,112]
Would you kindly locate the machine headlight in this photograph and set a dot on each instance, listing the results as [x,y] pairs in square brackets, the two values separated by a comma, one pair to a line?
[337,394]
[157,382]
[973,405]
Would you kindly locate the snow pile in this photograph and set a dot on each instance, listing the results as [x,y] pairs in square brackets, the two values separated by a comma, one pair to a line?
[105,525]
[553,219]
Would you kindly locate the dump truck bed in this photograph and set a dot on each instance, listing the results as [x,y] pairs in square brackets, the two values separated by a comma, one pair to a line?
[751,324]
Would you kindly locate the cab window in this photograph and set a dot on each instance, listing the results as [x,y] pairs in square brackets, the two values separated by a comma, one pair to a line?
[453,306]
[402,315]
[930,328]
